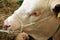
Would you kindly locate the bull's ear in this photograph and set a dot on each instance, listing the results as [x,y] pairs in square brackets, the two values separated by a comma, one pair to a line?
[56,10]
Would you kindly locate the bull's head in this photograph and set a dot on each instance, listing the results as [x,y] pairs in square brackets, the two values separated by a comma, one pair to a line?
[32,11]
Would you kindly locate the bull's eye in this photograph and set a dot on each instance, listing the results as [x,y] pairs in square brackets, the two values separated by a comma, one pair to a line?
[35,13]
[56,9]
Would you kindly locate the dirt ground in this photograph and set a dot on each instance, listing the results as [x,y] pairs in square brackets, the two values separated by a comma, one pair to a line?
[6,9]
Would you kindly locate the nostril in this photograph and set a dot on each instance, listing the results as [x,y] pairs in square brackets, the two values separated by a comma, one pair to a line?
[6,26]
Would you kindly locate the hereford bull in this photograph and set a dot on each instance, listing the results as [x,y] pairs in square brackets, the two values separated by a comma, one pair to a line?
[37,18]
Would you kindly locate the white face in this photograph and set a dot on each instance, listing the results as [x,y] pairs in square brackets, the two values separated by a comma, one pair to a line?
[21,15]
[27,13]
